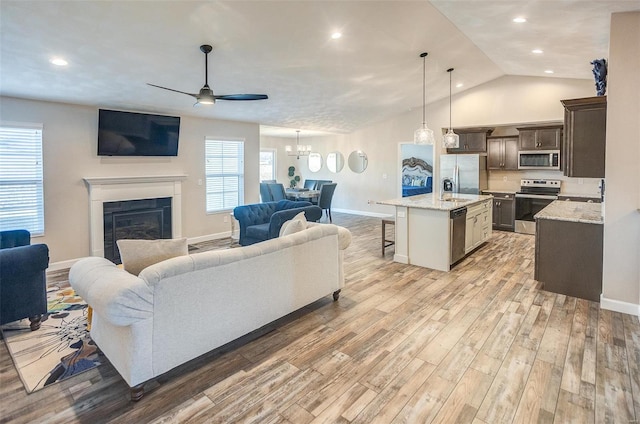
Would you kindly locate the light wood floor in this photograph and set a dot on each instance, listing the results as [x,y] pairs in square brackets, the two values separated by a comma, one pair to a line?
[480,344]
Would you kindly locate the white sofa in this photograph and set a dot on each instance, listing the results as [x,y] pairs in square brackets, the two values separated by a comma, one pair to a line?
[183,307]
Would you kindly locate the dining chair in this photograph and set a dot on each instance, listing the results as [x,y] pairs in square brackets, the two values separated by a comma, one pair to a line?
[324,200]
[265,193]
[277,192]
[310,184]
[320,183]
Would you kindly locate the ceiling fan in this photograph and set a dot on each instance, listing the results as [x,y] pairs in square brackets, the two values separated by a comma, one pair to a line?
[206,96]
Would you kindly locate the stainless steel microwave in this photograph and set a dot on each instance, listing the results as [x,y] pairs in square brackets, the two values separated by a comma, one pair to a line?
[539,159]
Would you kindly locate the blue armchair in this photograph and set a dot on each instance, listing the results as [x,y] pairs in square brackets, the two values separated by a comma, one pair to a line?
[23,287]
[262,221]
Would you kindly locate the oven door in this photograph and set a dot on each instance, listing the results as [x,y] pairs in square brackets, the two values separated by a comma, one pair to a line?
[527,205]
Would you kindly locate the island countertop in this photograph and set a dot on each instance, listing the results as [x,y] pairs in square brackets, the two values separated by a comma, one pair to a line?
[560,210]
[429,201]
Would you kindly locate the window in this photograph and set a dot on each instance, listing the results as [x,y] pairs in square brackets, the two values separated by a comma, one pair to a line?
[224,170]
[21,192]
[267,164]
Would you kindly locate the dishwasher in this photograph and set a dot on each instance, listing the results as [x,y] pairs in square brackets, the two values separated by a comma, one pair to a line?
[458,219]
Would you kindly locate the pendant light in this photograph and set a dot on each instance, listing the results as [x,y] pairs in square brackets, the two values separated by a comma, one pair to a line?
[424,135]
[299,150]
[451,140]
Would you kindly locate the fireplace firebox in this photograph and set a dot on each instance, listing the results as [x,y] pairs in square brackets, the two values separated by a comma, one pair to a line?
[147,219]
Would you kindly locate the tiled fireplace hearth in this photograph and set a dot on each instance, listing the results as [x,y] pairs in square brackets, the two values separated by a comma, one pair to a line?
[118,189]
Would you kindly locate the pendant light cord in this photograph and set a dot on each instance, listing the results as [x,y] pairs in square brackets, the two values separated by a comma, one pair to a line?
[424,87]
[450,70]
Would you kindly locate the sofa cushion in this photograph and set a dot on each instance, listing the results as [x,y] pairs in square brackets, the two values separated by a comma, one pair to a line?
[136,255]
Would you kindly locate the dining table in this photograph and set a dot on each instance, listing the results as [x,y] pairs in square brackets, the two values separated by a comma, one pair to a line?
[302,194]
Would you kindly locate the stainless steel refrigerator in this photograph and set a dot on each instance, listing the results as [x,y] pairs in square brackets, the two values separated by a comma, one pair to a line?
[467,171]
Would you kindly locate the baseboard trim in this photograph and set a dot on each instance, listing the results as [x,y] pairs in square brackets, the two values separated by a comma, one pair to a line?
[619,306]
[363,213]
[57,266]
[209,237]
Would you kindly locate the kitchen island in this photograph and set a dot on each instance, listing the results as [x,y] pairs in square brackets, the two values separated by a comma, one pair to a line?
[424,231]
[569,240]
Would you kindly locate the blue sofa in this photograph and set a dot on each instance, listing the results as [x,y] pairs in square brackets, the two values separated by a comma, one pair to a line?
[23,287]
[262,221]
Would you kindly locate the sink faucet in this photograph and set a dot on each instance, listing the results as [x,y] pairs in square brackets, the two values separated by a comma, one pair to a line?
[447,186]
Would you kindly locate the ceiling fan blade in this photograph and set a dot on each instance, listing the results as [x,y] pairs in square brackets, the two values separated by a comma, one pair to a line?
[171,89]
[242,97]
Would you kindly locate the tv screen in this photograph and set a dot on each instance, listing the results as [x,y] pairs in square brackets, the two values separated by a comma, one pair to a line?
[137,134]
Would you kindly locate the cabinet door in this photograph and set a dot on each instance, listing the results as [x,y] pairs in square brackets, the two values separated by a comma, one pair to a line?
[548,138]
[468,233]
[527,139]
[507,215]
[476,142]
[495,222]
[586,149]
[510,157]
[495,154]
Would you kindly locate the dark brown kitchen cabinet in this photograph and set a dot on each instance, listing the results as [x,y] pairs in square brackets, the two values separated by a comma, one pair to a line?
[504,211]
[568,258]
[540,138]
[472,140]
[585,122]
[502,153]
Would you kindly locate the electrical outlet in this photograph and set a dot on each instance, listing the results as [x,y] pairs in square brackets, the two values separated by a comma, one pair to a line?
[226,218]
[580,181]
[504,178]
[199,182]
[384,176]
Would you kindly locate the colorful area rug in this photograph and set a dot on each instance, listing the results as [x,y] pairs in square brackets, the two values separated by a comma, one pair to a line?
[60,349]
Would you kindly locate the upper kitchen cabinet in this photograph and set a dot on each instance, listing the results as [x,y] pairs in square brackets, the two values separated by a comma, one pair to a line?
[585,121]
[472,140]
[502,153]
[540,137]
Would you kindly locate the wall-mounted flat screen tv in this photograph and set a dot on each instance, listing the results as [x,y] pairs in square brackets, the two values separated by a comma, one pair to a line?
[137,134]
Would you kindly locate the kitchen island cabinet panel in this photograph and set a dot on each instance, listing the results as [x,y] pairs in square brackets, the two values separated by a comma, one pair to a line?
[569,258]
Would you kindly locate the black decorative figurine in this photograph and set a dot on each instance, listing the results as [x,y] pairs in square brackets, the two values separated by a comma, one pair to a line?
[600,74]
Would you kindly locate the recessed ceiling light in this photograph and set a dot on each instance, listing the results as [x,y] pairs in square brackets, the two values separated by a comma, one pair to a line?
[336,35]
[58,61]
[548,71]
[519,20]
[458,85]
[537,51]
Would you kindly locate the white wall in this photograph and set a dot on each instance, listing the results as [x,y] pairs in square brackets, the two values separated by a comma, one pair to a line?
[70,146]
[621,279]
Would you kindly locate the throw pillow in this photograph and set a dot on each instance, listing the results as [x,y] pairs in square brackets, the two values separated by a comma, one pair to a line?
[298,223]
[294,226]
[136,255]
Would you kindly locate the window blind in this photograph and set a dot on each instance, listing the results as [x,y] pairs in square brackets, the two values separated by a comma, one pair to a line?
[21,187]
[224,171]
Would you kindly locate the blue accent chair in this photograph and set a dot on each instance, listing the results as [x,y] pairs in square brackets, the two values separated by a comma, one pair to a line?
[262,221]
[23,286]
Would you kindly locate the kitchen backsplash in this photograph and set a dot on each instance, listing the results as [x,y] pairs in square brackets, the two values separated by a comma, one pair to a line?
[510,181]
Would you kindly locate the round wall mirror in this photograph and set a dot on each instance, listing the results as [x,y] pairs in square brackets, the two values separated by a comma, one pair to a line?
[358,161]
[335,162]
[315,162]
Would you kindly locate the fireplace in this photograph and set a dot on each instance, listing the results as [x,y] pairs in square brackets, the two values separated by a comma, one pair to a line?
[147,219]
[135,191]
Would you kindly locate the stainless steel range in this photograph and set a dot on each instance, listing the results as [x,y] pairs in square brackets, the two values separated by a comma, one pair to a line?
[534,195]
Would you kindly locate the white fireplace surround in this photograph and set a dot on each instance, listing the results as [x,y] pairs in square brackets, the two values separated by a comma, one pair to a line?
[114,189]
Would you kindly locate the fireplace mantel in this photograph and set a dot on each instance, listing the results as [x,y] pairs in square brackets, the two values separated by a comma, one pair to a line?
[113,189]
[133,180]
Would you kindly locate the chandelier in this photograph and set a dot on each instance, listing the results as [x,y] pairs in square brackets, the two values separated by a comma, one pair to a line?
[299,150]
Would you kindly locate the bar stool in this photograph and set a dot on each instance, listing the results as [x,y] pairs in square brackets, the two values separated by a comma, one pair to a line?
[385,242]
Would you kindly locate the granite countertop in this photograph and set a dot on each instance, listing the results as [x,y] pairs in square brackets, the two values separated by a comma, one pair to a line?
[561,210]
[585,195]
[429,201]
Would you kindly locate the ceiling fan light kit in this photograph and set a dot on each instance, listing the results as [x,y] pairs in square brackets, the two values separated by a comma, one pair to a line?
[424,135]
[451,140]
[205,96]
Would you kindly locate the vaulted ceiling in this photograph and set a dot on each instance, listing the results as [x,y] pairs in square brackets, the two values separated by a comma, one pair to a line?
[285,49]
